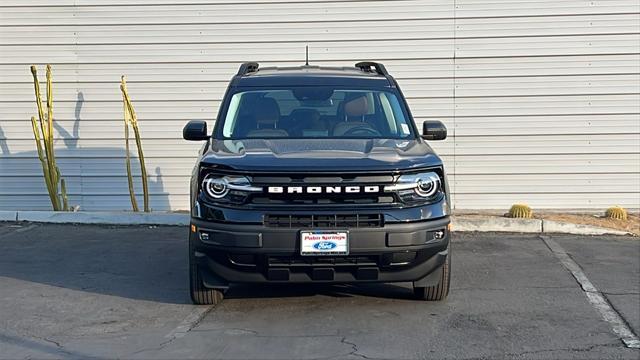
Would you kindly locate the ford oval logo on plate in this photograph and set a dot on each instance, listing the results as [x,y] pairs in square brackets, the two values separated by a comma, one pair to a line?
[325,245]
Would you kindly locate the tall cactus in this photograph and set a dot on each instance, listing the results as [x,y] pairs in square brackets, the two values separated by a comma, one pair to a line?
[130,118]
[44,134]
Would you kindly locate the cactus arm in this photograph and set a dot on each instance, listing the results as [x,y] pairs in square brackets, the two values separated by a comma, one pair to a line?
[43,122]
[143,168]
[43,162]
[132,195]
[49,104]
[65,199]
[47,157]
[136,131]
[51,158]
[50,123]
[36,86]
[63,192]
[50,179]
[43,127]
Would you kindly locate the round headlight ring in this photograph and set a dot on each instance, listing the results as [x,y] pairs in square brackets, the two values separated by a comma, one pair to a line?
[427,186]
[216,188]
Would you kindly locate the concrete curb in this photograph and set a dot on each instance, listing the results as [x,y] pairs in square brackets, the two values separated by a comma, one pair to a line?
[111,218]
[8,215]
[503,224]
[550,226]
[463,223]
[494,223]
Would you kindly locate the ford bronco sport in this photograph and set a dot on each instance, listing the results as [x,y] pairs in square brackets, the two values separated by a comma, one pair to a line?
[317,175]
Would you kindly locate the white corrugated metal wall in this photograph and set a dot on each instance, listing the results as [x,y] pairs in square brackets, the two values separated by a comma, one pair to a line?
[542,97]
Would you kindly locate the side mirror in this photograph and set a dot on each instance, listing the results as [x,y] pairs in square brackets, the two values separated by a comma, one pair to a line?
[434,130]
[195,130]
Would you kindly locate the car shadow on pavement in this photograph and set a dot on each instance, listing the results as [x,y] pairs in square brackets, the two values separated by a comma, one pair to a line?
[376,290]
[135,262]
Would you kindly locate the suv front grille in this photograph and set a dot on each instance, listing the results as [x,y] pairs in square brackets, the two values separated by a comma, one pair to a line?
[285,200]
[323,200]
[324,221]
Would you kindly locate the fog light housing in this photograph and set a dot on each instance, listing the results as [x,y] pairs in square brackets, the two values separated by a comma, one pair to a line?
[403,258]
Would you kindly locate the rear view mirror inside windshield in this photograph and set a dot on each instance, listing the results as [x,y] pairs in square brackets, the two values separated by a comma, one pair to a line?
[313,94]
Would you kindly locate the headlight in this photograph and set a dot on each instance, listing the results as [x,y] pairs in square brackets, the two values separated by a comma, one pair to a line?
[215,187]
[428,185]
[422,187]
[221,187]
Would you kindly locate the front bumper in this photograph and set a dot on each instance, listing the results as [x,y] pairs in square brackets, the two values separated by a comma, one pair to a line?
[241,253]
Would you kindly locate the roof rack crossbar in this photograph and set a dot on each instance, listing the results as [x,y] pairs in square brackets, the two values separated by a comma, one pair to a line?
[248,67]
[367,65]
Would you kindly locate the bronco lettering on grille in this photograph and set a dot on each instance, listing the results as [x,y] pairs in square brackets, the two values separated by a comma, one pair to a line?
[323,189]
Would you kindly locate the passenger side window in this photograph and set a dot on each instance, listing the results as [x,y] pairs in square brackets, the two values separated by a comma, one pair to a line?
[395,117]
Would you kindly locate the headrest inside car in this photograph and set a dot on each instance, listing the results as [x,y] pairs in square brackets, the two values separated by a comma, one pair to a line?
[356,107]
[267,112]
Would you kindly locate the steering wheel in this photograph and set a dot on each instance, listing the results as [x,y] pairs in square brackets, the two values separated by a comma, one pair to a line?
[362,131]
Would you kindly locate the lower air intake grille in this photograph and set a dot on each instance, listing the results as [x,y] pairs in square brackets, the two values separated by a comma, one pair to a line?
[324,221]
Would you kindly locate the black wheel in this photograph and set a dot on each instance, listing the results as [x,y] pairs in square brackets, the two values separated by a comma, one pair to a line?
[200,294]
[437,292]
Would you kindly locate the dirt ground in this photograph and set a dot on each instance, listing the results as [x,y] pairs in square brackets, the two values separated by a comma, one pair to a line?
[632,224]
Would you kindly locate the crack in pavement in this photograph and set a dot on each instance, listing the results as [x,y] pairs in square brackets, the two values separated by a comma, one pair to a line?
[35,343]
[242,331]
[620,293]
[57,344]
[569,349]
[255,333]
[192,320]
[354,348]
[512,289]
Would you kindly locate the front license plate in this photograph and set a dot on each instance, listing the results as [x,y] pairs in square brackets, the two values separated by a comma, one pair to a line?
[324,242]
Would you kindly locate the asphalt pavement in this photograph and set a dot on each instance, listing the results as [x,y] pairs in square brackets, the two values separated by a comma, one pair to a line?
[96,292]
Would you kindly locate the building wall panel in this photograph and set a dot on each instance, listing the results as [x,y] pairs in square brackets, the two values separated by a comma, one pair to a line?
[541,97]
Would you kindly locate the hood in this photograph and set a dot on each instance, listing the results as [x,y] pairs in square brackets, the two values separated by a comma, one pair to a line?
[291,155]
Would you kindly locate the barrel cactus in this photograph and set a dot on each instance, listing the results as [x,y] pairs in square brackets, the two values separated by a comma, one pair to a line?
[616,212]
[520,211]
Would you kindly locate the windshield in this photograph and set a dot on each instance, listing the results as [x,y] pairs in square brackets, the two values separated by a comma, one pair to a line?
[315,112]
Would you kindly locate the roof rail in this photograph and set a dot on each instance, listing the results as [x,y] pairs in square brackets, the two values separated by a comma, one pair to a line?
[248,67]
[367,65]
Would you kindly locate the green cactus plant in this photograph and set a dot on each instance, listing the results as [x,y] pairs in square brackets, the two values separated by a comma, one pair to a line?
[616,212]
[130,118]
[520,211]
[43,136]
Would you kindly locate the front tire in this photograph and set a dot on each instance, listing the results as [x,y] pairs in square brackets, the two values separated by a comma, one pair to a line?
[440,291]
[200,294]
